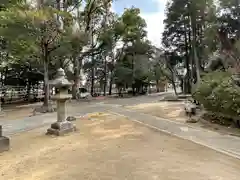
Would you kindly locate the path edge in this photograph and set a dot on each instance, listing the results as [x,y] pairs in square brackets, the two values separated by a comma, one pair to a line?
[228,153]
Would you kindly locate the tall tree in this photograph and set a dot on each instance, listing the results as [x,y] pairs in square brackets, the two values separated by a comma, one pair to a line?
[38,29]
[184,33]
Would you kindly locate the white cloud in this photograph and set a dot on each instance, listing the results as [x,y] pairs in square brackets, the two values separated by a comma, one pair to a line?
[155,24]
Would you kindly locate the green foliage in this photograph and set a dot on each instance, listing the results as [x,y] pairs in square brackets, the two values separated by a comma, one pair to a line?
[134,25]
[133,66]
[122,75]
[208,83]
[132,63]
[48,37]
[158,70]
[28,30]
[218,93]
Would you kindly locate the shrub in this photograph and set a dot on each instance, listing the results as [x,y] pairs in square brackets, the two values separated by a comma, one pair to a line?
[210,81]
[228,98]
[218,94]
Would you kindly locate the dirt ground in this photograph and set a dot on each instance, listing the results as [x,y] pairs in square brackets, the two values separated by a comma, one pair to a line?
[175,111]
[108,147]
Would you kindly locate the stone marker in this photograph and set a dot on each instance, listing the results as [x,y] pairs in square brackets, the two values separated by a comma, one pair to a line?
[71,118]
[4,142]
[62,126]
[190,109]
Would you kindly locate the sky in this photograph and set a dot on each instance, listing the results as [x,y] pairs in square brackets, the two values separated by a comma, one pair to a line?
[151,10]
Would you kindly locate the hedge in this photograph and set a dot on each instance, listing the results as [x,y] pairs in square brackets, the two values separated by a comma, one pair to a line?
[218,94]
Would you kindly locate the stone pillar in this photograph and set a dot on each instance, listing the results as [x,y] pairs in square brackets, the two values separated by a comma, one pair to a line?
[4,142]
[61,126]
[61,112]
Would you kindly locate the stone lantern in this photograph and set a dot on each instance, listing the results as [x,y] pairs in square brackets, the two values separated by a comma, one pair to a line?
[62,126]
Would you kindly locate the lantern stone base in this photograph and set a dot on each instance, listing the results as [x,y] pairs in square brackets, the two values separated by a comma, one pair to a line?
[4,144]
[61,128]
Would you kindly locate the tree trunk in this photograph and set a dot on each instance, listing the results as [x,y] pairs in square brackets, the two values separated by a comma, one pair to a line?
[92,60]
[194,49]
[92,80]
[174,88]
[105,76]
[197,65]
[110,84]
[157,85]
[28,90]
[111,74]
[133,90]
[195,57]
[106,7]
[46,85]
[46,78]
[75,87]
[189,51]
[133,76]
[186,83]
[173,80]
